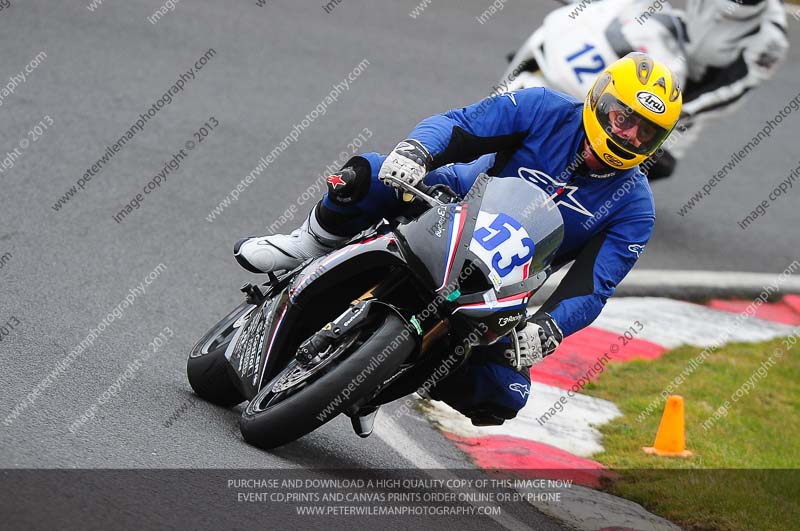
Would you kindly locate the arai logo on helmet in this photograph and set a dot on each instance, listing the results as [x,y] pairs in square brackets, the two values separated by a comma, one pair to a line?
[651,102]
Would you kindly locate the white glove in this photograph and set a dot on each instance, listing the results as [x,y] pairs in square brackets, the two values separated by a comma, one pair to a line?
[538,339]
[408,162]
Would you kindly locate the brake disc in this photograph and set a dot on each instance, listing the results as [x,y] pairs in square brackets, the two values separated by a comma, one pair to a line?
[299,374]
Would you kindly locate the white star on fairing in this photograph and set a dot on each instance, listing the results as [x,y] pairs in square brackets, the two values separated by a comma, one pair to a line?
[552,186]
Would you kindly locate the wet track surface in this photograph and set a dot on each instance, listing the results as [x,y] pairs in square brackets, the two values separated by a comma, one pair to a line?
[270,67]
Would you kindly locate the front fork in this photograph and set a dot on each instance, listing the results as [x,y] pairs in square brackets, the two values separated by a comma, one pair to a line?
[311,350]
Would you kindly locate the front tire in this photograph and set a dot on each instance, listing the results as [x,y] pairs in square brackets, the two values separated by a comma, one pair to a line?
[272,420]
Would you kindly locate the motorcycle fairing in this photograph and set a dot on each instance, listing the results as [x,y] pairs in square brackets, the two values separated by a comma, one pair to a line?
[517,232]
[499,316]
[247,350]
[437,237]
[458,216]
[376,251]
[509,231]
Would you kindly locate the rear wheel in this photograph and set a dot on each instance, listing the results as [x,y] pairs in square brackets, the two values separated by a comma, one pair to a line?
[208,369]
[301,399]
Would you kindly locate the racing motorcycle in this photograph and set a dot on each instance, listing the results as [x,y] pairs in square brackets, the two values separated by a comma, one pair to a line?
[371,322]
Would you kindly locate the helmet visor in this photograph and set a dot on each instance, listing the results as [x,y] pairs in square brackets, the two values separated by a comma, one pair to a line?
[627,128]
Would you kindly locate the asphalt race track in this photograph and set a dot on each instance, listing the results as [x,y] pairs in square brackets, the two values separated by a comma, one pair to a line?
[64,271]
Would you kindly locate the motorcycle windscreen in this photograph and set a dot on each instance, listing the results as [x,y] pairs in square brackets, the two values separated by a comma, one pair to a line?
[517,232]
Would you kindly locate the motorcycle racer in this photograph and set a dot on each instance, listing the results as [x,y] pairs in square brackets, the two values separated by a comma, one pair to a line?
[584,155]
[719,50]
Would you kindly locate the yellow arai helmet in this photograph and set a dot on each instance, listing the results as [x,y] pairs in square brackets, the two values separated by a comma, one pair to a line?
[631,109]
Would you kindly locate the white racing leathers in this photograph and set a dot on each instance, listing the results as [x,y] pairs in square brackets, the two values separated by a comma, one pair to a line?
[732,47]
[717,49]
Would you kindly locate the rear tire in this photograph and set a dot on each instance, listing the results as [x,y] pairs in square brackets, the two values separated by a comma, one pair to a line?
[313,405]
[209,377]
[208,369]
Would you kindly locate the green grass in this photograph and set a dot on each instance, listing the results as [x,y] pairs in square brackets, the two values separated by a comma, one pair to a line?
[760,432]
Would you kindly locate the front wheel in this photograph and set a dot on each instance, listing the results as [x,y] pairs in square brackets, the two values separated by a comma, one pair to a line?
[299,400]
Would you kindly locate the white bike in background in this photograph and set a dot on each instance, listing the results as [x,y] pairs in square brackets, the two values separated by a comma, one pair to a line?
[719,50]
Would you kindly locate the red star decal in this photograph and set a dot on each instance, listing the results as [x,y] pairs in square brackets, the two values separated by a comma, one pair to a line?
[335,180]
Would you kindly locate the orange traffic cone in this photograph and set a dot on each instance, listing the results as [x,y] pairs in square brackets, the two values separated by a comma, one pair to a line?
[671,436]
